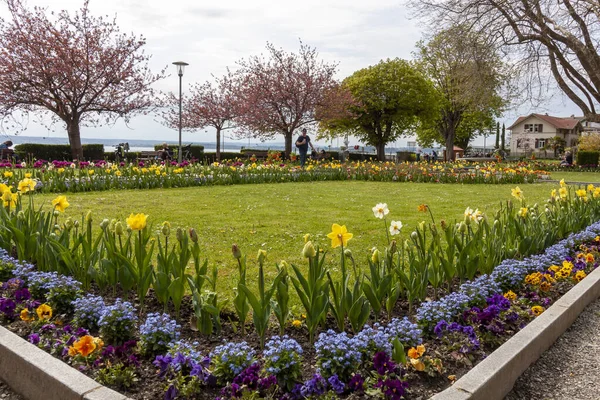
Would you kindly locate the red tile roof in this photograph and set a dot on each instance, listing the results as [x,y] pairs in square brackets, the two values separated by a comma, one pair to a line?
[557,122]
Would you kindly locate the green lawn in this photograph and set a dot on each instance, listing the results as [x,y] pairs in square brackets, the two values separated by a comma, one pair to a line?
[568,176]
[275,217]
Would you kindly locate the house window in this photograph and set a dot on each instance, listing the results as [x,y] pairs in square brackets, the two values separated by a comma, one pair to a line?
[533,128]
[540,143]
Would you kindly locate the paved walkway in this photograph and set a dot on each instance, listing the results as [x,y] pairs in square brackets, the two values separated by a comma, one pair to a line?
[570,369]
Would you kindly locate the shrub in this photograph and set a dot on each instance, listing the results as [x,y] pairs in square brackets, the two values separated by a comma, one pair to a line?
[58,151]
[587,157]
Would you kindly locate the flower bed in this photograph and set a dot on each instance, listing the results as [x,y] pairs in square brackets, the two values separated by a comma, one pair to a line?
[60,176]
[394,360]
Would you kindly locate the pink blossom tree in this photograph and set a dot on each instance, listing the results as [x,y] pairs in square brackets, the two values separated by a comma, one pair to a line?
[78,68]
[206,105]
[281,92]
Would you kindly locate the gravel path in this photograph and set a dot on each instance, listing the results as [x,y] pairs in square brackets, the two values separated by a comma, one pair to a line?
[570,369]
[7,394]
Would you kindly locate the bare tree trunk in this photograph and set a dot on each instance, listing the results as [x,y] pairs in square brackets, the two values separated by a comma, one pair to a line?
[450,134]
[288,144]
[380,151]
[218,153]
[75,140]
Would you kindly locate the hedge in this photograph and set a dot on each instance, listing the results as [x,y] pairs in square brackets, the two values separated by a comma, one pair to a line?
[587,157]
[61,152]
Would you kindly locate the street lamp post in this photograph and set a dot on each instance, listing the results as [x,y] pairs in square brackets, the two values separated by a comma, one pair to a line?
[180,67]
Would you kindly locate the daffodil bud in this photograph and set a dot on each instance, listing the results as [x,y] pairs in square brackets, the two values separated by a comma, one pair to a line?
[119,228]
[306,237]
[88,217]
[237,253]
[462,228]
[111,226]
[21,215]
[69,223]
[53,236]
[375,257]
[56,213]
[467,220]
[179,234]
[76,223]
[104,223]
[193,235]
[309,250]
[283,264]
[166,228]
[56,227]
[348,253]
[414,236]
[261,256]
[393,247]
[496,224]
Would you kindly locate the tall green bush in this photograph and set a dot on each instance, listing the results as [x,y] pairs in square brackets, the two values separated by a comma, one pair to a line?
[61,152]
[587,157]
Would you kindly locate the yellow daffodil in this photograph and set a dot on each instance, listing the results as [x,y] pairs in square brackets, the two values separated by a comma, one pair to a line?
[591,187]
[523,212]
[60,203]
[9,199]
[8,174]
[4,188]
[306,237]
[26,185]
[28,175]
[296,323]
[562,183]
[44,312]
[517,193]
[137,222]
[422,208]
[339,236]
[581,193]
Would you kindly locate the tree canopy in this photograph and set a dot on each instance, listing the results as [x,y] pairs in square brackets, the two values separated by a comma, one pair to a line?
[555,38]
[467,76]
[280,93]
[379,104]
[77,68]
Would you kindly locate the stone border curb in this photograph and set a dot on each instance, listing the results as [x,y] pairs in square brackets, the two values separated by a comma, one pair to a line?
[494,377]
[36,375]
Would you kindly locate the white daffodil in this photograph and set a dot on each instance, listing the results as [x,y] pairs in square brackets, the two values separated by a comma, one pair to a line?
[380,210]
[395,227]
[469,212]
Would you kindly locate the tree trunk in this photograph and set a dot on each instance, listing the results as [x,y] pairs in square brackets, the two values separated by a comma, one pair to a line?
[503,137]
[218,152]
[75,140]
[450,134]
[288,144]
[380,151]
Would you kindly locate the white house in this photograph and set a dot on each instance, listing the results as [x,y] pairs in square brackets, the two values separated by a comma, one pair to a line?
[532,133]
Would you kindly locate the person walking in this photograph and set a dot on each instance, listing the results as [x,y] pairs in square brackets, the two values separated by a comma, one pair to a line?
[302,144]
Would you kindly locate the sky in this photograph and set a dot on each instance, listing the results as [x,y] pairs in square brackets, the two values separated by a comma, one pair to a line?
[212,36]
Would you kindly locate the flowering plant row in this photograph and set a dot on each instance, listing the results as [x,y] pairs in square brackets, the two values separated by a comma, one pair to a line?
[60,176]
[382,361]
[129,258]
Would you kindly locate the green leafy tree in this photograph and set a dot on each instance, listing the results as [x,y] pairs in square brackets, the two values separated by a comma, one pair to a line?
[379,104]
[467,76]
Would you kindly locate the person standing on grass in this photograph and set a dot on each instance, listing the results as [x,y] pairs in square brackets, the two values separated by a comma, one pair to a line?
[302,144]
